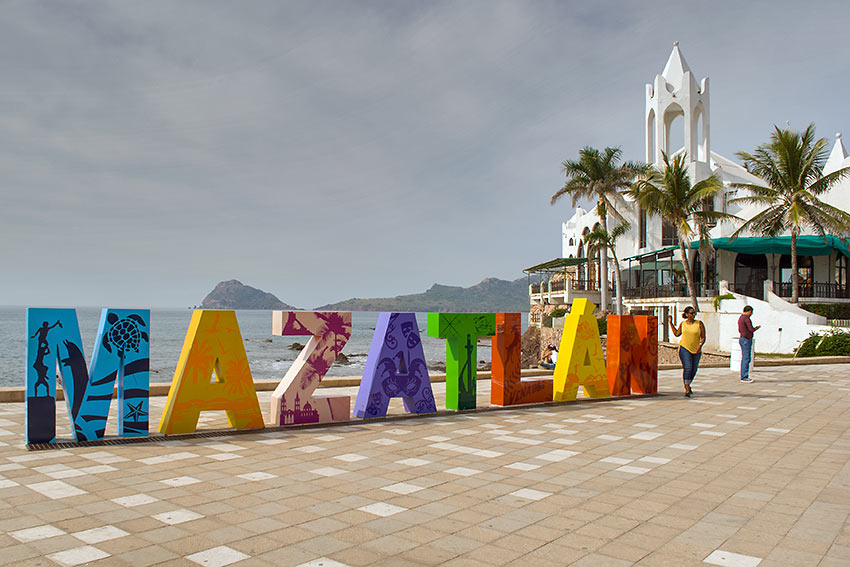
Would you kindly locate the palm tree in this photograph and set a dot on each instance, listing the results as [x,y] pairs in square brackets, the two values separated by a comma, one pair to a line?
[791,165]
[599,176]
[599,239]
[667,192]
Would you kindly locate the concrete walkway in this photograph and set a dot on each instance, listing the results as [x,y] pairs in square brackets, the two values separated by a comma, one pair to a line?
[740,475]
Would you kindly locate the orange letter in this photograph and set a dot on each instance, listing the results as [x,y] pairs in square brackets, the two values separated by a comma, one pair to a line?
[632,354]
[507,387]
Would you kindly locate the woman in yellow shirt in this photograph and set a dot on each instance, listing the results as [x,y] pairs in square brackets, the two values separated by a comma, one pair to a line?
[690,345]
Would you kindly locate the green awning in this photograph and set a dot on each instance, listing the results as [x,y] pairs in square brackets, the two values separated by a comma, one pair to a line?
[555,265]
[807,245]
[661,251]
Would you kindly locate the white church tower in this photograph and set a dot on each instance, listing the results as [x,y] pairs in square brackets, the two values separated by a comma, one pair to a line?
[676,93]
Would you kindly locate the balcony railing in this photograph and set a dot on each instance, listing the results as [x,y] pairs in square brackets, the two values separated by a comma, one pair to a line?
[650,291]
[813,289]
[559,286]
[584,285]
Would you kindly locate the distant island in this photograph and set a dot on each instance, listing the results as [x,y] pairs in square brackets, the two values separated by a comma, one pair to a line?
[233,294]
[490,295]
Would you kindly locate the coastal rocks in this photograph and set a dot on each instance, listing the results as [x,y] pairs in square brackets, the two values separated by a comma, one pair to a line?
[342,359]
[233,294]
[296,346]
[530,347]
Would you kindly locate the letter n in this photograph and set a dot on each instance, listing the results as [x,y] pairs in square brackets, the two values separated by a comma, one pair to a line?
[632,354]
[396,368]
[507,387]
[212,374]
[580,361]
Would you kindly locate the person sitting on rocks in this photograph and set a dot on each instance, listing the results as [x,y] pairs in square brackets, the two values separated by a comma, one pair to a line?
[549,358]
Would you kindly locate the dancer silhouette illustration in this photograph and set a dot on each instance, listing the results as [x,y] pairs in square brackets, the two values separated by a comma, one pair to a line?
[43,350]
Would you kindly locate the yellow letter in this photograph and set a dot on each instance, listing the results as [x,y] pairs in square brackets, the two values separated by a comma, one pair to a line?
[580,360]
[213,344]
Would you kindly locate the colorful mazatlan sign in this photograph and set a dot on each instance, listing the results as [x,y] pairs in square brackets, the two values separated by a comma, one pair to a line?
[395,367]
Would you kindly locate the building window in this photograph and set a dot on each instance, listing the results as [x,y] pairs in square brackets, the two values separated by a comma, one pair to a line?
[668,234]
[841,271]
[642,228]
[805,269]
[708,206]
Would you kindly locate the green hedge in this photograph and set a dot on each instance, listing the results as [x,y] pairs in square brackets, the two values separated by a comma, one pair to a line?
[828,310]
[833,343]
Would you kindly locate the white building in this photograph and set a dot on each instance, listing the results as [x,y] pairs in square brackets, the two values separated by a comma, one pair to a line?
[757,269]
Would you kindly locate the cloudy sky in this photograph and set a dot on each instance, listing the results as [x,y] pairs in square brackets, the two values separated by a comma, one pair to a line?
[322,150]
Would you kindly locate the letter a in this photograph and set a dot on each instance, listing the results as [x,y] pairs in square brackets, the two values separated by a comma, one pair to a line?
[396,367]
[580,360]
[213,345]
[632,354]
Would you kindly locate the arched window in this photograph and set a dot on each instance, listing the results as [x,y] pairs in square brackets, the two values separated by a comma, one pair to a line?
[750,274]
[674,129]
[710,280]
[650,137]
[699,130]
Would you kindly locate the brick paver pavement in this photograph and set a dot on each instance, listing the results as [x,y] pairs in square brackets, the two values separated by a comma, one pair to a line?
[740,475]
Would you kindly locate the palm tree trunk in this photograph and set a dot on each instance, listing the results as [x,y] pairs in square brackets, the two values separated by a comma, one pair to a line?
[689,276]
[795,278]
[603,264]
[619,283]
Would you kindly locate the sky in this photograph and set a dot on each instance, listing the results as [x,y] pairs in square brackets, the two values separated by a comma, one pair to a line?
[323,150]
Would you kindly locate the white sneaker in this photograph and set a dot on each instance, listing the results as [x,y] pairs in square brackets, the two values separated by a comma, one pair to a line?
[747,380]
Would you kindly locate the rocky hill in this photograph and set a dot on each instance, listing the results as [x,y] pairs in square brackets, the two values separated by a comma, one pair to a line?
[491,294]
[233,294]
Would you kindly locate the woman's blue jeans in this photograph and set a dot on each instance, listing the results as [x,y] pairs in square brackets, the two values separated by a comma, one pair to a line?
[690,363]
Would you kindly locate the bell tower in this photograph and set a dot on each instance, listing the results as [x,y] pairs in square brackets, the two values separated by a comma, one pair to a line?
[675,93]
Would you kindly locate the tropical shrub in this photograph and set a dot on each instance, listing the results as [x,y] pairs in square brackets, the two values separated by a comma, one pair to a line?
[832,343]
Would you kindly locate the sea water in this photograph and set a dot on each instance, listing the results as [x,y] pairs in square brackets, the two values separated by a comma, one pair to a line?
[269,356]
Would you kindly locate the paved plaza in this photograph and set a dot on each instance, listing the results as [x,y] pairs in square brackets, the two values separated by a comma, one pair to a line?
[740,475]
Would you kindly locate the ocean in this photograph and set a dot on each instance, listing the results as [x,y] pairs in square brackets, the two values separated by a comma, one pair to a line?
[269,356]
